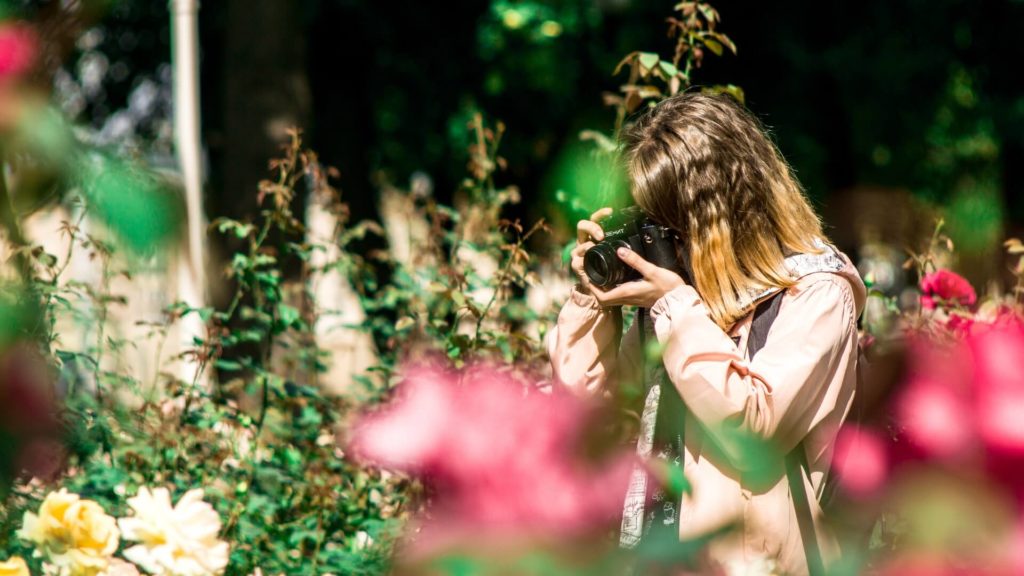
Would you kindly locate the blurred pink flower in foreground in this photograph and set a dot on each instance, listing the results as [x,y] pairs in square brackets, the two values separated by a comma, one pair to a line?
[503,458]
[29,420]
[999,386]
[936,417]
[964,400]
[934,408]
[860,461]
[947,286]
[19,48]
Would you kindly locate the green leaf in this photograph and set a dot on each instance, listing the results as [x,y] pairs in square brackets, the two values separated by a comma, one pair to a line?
[403,323]
[648,60]
[730,89]
[459,299]
[287,314]
[668,68]
[47,259]
[713,45]
[724,40]
[709,13]
[227,365]
[142,210]
[622,63]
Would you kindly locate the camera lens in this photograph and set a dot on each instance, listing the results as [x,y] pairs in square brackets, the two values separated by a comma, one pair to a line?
[603,266]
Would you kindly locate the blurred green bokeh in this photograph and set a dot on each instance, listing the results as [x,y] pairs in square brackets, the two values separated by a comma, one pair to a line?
[144,212]
[144,209]
[585,179]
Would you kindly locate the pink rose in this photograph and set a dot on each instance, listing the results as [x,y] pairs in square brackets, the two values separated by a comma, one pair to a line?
[998,381]
[948,287]
[19,48]
[936,418]
[860,461]
[503,459]
[934,408]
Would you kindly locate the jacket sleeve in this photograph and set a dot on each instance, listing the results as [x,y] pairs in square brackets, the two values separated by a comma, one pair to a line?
[792,383]
[586,347]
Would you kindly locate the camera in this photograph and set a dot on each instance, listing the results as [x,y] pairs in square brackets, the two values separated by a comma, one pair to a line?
[631,228]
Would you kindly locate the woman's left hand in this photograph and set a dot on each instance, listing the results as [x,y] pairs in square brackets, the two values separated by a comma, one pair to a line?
[654,283]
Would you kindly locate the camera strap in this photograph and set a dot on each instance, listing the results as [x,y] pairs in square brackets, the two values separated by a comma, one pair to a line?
[669,432]
[648,511]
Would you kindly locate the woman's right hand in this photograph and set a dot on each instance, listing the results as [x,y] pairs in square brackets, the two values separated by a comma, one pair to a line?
[588,233]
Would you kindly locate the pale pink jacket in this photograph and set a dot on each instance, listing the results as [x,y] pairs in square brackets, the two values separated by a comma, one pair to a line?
[798,388]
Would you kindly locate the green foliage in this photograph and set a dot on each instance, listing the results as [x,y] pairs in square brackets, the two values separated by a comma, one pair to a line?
[652,77]
[261,440]
[456,295]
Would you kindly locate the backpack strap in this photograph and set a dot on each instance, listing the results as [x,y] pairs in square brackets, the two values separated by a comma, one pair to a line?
[796,460]
[764,317]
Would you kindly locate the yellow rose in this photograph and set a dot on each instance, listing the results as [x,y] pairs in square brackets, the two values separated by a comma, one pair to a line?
[92,530]
[75,535]
[47,527]
[14,566]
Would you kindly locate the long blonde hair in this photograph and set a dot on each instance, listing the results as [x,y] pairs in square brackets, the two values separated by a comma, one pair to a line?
[705,166]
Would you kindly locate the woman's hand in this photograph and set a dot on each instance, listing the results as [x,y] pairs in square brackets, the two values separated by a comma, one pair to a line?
[654,283]
[588,232]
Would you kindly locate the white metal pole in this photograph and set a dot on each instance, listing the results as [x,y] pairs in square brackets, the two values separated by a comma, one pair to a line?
[192,286]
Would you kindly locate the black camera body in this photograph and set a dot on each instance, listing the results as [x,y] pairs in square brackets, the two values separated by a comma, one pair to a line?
[631,228]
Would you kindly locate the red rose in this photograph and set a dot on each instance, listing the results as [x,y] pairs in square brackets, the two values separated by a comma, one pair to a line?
[959,324]
[948,287]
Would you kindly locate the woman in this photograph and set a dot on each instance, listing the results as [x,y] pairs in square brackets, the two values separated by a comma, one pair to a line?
[704,166]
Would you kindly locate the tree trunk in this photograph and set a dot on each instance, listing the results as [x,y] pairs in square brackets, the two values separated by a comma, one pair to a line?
[266,91]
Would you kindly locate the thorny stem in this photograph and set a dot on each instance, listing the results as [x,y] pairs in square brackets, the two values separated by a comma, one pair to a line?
[156,363]
[72,230]
[285,178]
[254,245]
[100,299]
[620,112]
[319,540]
